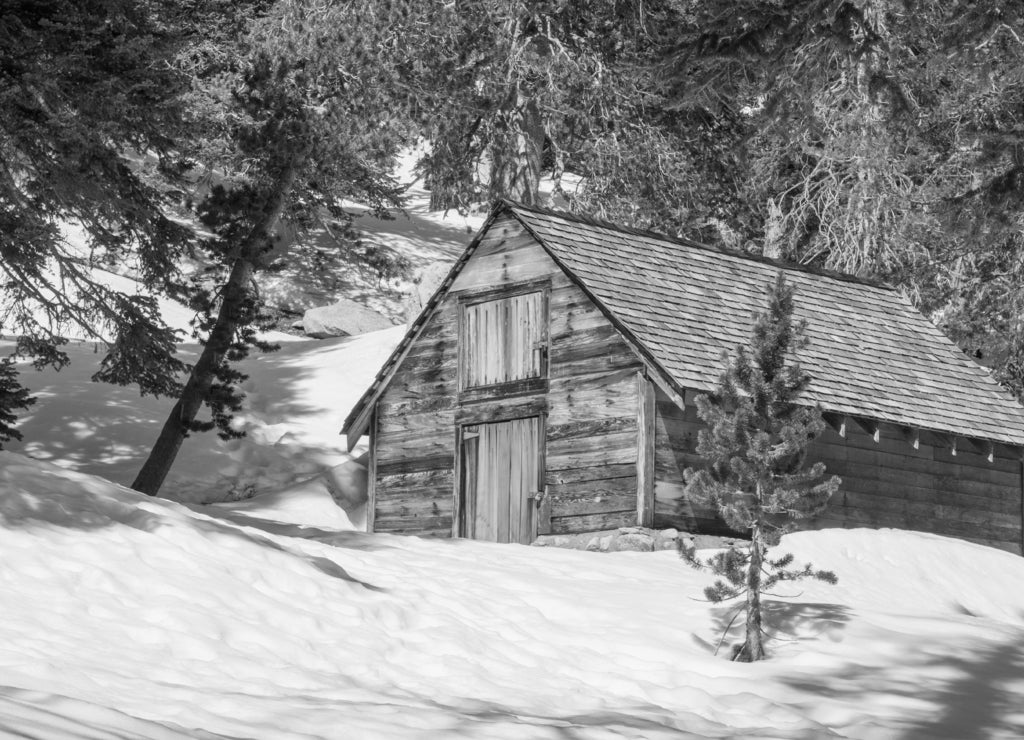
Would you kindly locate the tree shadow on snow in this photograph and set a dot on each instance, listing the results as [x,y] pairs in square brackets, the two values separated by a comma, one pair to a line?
[483,719]
[324,565]
[982,697]
[36,714]
[108,430]
[85,503]
[782,621]
[984,701]
[335,538]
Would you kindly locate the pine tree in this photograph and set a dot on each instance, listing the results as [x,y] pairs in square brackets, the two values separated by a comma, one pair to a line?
[12,397]
[301,120]
[755,447]
[88,91]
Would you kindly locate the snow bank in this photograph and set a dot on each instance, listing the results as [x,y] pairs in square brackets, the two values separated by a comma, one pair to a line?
[296,401]
[135,617]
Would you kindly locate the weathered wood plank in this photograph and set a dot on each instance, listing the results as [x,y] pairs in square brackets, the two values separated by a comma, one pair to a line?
[505,234]
[371,470]
[501,409]
[592,397]
[398,428]
[525,262]
[428,367]
[625,486]
[591,427]
[564,460]
[412,389]
[941,481]
[880,517]
[399,465]
[418,527]
[922,503]
[415,496]
[599,504]
[396,412]
[415,444]
[591,358]
[645,422]
[564,326]
[617,447]
[593,522]
[434,478]
[594,473]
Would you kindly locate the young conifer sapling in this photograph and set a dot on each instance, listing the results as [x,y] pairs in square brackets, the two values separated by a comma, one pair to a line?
[754,448]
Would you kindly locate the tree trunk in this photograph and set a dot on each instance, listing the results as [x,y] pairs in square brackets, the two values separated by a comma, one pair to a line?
[516,158]
[235,295]
[753,647]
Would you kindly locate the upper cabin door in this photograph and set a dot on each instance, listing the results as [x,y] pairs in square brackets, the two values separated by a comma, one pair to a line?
[501,476]
[503,340]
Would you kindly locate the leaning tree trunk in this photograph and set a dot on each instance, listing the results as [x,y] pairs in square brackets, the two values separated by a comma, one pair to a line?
[753,646]
[235,298]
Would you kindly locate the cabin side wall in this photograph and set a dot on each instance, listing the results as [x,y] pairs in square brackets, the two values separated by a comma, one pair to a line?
[675,450]
[887,483]
[589,402]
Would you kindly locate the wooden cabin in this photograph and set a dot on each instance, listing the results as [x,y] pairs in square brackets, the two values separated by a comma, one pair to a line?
[547,387]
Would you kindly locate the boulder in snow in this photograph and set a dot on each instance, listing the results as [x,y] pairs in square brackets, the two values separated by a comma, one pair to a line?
[342,319]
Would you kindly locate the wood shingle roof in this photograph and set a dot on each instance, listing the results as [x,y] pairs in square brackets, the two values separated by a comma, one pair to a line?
[871,354]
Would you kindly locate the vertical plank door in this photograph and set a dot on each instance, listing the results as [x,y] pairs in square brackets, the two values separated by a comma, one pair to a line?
[501,338]
[500,480]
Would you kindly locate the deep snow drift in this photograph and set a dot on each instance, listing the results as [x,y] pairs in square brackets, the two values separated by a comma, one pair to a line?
[132,617]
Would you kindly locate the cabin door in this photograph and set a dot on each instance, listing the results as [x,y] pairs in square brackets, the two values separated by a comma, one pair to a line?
[501,480]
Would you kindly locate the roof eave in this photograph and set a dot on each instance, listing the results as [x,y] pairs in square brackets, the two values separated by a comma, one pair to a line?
[358,419]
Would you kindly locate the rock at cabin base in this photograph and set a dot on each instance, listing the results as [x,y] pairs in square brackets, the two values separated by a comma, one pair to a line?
[342,319]
[632,539]
[634,542]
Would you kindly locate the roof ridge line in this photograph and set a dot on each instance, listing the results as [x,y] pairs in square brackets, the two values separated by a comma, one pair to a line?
[781,264]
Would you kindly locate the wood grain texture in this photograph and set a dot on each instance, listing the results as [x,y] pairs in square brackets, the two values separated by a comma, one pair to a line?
[371,471]
[885,483]
[588,398]
[645,456]
[593,522]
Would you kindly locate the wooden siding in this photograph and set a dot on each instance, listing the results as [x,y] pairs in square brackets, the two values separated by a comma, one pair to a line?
[589,398]
[675,449]
[591,472]
[887,483]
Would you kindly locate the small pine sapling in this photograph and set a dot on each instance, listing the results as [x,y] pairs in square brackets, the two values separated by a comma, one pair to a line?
[12,397]
[755,448]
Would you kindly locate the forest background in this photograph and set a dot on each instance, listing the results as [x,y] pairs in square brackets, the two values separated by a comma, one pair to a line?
[882,138]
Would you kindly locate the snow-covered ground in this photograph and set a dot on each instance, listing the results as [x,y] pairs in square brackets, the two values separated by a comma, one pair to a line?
[128,617]
[123,616]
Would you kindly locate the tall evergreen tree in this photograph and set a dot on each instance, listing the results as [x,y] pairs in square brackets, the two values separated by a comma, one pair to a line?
[306,119]
[87,93]
[755,447]
[506,90]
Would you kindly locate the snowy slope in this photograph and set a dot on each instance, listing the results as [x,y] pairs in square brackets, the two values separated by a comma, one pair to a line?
[132,617]
[296,401]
